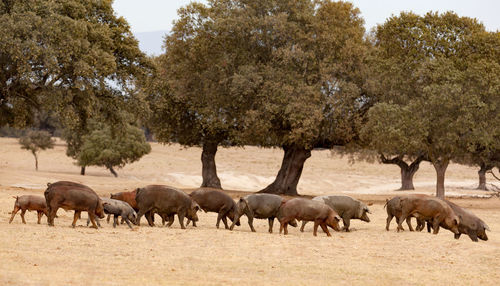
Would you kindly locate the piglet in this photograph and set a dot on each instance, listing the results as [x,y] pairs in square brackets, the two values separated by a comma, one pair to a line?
[29,203]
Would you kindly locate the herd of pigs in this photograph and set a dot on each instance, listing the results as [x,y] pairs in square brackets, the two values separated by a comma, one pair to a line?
[324,211]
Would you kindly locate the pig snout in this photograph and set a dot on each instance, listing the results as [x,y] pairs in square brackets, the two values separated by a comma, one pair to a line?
[365,217]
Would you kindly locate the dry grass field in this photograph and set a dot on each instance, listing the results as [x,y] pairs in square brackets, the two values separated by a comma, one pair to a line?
[34,254]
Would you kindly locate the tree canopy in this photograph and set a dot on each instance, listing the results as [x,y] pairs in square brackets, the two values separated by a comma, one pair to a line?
[75,57]
[269,73]
[36,141]
[103,147]
[435,98]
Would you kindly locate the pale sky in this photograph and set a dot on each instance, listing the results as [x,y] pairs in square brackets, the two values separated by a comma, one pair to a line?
[151,19]
[154,15]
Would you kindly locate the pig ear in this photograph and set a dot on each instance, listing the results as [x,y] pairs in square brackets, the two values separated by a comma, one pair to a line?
[196,207]
[486,227]
[337,217]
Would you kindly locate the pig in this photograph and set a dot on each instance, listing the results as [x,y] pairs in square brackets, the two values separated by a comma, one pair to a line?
[259,206]
[429,208]
[216,201]
[129,197]
[166,201]
[394,210]
[308,210]
[72,196]
[29,203]
[469,224]
[118,208]
[346,207]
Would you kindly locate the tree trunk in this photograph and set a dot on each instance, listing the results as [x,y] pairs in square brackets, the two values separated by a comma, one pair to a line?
[289,174]
[407,171]
[112,171]
[209,169]
[440,167]
[82,171]
[36,161]
[482,176]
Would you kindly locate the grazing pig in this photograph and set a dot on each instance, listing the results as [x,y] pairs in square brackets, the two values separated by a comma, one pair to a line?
[393,208]
[308,210]
[29,203]
[346,207]
[72,196]
[429,208]
[118,208]
[218,202]
[259,206]
[166,201]
[469,224]
[128,197]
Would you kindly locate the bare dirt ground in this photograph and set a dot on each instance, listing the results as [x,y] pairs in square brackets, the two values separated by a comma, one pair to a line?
[34,254]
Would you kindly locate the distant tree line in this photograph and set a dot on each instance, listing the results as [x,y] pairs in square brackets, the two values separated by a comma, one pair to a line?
[295,75]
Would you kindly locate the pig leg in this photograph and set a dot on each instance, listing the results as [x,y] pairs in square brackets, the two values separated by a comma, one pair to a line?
[303,225]
[347,223]
[402,218]
[170,220]
[315,229]
[435,225]
[180,216]
[22,215]
[388,221]
[115,220]
[271,222]
[93,219]
[221,215]
[138,218]
[408,222]
[52,215]
[76,216]
[285,228]
[107,219]
[325,229]
[16,209]
[39,216]
[224,220]
[149,218]
[128,222]
[250,223]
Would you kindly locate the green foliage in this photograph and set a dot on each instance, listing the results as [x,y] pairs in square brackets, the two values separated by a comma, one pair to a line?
[35,141]
[71,56]
[103,147]
[260,72]
[437,82]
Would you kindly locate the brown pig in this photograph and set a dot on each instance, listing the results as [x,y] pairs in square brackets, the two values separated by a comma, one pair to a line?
[166,201]
[469,224]
[394,210]
[429,208]
[308,210]
[215,201]
[29,203]
[72,196]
